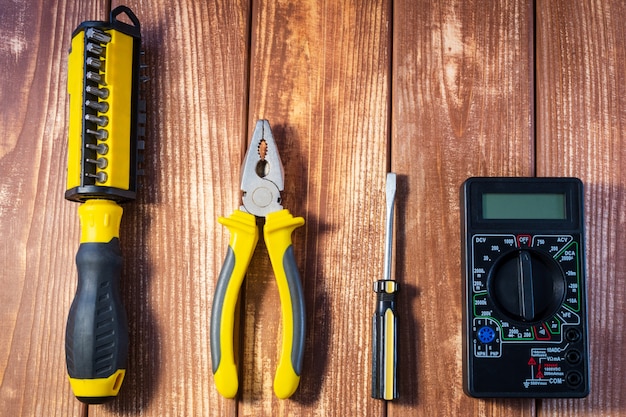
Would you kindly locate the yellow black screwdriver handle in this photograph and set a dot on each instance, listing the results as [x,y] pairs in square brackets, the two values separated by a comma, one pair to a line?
[277,233]
[96,342]
[385,343]
[244,235]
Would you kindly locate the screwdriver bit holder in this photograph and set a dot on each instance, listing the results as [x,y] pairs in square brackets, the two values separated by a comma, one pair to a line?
[104,125]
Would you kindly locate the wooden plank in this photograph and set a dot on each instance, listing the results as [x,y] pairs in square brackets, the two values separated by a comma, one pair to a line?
[581,119]
[39,227]
[174,248]
[462,106]
[319,73]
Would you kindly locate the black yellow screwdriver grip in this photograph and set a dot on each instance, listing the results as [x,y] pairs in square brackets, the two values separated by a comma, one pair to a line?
[96,342]
[243,239]
[384,339]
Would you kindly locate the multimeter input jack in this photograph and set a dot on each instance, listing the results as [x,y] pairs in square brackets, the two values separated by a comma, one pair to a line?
[573,356]
[572,335]
[574,379]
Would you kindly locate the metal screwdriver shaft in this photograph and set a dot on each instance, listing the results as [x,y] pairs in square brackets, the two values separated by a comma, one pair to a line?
[385,321]
[390,191]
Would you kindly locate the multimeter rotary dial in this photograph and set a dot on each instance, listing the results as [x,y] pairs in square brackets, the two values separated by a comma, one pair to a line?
[527,285]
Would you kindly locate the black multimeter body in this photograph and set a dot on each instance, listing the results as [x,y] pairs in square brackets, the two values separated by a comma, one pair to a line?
[524,298]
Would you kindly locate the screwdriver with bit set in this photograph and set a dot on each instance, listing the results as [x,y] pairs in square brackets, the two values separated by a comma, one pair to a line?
[107,118]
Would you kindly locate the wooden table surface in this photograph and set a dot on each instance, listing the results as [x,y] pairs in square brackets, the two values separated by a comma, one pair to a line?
[436,91]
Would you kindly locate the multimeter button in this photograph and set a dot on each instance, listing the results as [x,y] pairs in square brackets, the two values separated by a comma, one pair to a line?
[527,285]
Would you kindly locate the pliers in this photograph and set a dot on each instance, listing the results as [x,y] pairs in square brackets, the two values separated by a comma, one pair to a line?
[262,180]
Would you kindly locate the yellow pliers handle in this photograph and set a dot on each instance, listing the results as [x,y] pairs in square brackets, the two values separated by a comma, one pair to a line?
[244,236]
[277,233]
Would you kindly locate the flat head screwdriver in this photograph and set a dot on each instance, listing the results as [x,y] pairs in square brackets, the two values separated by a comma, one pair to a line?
[385,320]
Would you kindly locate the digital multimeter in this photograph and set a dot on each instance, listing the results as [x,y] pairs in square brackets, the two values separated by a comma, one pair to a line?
[524,324]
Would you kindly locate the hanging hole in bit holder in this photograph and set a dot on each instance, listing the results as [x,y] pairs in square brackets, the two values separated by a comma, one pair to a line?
[127,16]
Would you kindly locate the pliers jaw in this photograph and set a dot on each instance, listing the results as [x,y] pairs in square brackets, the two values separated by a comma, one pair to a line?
[262,174]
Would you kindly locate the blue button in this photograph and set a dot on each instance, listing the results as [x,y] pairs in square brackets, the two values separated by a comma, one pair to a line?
[486,334]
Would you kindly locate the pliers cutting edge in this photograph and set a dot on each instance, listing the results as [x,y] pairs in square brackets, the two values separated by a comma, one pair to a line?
[262,180]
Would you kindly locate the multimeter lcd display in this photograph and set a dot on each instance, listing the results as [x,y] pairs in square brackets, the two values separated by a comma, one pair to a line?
[535,206]
[524,308]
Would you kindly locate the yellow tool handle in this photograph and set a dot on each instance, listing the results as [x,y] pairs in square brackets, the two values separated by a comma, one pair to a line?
[277,233]
[385,341]
[244,235]
[96,338]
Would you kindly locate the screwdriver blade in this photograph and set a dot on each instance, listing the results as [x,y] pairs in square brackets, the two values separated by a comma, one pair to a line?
[390,191]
